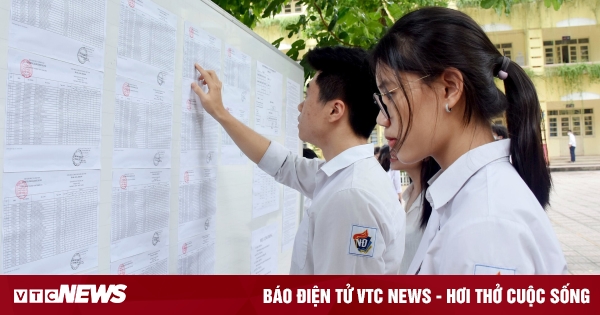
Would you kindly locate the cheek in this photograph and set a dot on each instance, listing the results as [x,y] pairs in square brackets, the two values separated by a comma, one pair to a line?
[418,141]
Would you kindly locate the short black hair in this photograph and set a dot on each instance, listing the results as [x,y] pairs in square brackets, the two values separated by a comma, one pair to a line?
[500,131]
[376,150]
[309,154]
[346,74]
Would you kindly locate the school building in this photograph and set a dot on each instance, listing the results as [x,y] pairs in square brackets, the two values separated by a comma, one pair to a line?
[560,50]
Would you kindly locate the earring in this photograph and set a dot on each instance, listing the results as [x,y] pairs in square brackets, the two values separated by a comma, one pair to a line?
[447,108]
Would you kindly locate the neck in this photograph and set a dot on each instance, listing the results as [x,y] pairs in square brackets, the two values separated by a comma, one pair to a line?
[464,140]
[415,176]
[336,144]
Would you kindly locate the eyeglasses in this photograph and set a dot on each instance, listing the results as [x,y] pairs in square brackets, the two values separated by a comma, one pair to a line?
[378,98]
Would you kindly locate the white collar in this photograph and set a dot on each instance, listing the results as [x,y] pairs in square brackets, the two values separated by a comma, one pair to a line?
[447,183]
[347,158]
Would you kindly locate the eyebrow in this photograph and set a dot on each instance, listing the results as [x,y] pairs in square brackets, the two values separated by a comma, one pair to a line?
[383,84]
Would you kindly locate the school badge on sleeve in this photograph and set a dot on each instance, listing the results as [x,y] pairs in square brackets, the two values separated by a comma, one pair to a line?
[362,241]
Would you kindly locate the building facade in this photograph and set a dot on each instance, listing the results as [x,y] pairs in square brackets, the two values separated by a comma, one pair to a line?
[560,50]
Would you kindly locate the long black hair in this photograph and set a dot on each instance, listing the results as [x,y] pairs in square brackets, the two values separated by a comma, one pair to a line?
[430,40]
[429,167]
[384,157]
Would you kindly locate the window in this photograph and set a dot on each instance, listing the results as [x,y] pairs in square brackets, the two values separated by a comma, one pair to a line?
[293,7]
[571,119]
[588,125]
[553,127]
[564,126]
[505,49]
[566,51]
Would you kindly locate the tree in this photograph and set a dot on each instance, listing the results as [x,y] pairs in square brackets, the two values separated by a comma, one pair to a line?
[351,23]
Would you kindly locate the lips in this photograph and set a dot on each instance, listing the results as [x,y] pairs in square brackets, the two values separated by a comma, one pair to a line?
[391,142]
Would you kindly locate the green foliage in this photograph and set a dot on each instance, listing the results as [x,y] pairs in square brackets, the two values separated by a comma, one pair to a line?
[351,23]
[505,5]
[571,75]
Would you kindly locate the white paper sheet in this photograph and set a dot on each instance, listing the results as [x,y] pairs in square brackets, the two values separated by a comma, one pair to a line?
[153,262]
[197,201]
[143,120]
[93,271]
[200,47]
[196,255]
[140,211]
[147,43]
[237,102]
[293,99]
[289,218]
[50,222]
[69,30]
[263,251]
[265,193]
[269,99]
[199,131]
[236,98]
[53,115]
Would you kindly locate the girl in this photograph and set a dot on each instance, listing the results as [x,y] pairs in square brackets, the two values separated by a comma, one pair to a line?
[435,70]
[418,210]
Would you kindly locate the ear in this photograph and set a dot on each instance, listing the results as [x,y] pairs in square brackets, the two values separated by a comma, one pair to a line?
[335,110]
[452,81]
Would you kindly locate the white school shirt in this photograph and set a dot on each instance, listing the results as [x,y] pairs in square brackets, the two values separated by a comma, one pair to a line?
[355,224]
[414,232]
[395,177]
[572,141]
[485,220]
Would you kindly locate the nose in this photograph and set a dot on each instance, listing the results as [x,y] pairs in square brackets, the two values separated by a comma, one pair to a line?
[300,106]
[382,121]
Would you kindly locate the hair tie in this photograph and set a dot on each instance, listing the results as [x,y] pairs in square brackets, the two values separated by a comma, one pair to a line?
[503,72]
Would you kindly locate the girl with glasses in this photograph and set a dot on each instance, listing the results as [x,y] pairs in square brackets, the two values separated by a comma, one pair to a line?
[435,70]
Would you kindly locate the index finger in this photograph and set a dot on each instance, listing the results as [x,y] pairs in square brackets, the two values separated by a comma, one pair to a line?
[205,74]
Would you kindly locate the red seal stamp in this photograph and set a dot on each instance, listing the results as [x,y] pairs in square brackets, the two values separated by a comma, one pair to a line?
[21,189]
[191,32]
[186,177]
[189,105]
[131,3]
[126,89]
[121,270]
[229,52]
[184,248]
[26,69]
[123,182]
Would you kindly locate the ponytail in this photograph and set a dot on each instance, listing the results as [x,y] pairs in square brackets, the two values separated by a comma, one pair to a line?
[523,119]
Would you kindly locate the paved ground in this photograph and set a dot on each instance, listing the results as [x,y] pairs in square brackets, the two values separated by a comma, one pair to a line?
[575,215]
[584,163]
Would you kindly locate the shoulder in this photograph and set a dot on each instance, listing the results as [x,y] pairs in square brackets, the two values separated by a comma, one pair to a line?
[497,190]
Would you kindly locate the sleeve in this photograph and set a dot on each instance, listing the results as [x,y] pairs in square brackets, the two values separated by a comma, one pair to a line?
[289,169]
[349,235]
[490,246]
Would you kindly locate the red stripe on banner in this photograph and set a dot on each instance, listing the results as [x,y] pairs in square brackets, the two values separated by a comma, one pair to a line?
[314,294]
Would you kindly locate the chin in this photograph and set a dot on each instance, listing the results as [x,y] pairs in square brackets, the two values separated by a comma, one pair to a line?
[395,165]
[408,159]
